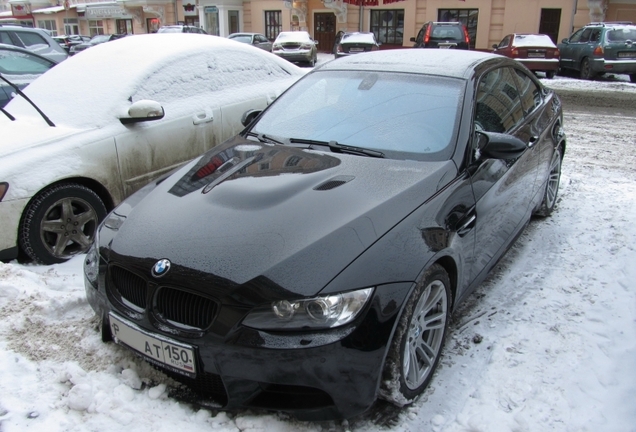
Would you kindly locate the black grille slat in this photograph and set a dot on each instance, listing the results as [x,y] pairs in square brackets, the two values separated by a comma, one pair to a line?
[130,287]
[333,183]
[182,307]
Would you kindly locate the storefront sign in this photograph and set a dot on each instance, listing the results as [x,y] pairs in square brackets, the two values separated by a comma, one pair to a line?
[21,10]
[210,9]
[107,12]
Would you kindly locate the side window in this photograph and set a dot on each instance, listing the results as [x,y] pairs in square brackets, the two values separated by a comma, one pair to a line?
[576,37]
[505,42]
[498,105]
[585,36]
[420,35]
[30,39]
[5,38]
[529,92]
[596,35]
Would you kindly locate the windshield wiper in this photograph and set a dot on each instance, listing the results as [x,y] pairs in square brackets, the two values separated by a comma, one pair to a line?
[264,138]
[18,91]
[334,146]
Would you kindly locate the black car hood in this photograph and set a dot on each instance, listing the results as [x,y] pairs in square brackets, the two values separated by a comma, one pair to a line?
[248,210]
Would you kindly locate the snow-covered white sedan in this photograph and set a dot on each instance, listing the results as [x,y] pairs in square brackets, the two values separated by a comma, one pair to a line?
[113,118]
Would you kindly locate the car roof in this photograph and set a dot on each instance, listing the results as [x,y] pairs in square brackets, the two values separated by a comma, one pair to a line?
[446,62]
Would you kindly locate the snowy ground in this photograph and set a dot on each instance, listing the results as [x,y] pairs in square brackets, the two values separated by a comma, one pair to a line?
[548,343]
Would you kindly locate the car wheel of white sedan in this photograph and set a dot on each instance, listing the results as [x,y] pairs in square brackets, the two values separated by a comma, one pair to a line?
[419,338]
[60,223]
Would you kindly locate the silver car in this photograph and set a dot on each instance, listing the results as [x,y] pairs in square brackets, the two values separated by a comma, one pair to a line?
[33,39]
[297,47]
[113,119]
[256,39]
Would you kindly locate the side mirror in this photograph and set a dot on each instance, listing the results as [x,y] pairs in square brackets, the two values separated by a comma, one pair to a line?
[249,116]
[142,111]
[500,146]
[565,41]
[494,46]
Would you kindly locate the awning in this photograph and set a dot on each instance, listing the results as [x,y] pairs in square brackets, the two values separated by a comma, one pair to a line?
[49,10]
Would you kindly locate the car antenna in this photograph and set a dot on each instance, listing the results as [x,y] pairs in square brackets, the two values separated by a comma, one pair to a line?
[18,91]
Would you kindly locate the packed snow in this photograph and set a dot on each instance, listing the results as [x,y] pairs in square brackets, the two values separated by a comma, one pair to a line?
[547,343]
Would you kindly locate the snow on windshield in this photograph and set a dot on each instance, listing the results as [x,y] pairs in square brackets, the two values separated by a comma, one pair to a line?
[533,40]
[95,86]
[358,38]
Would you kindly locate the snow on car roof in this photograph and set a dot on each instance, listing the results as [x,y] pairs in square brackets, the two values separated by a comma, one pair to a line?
[293,36]
[358,37]
[533,40]
[453,63]
[92,86]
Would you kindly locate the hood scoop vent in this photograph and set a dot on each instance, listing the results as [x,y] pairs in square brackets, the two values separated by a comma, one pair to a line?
[334,182]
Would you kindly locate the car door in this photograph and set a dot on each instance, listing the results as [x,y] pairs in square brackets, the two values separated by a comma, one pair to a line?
[263,43]
[191,124]
[504,47]
[572,50]
[503,188]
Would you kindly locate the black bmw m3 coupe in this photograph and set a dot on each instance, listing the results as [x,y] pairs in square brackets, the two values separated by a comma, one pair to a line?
[311,264]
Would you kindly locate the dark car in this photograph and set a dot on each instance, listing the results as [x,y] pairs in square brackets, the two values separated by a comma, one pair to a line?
[20,67]
[348,43]
[600,48]
[256,39]
[311,263]
[442,35]
[67,41]
[181,29]
[535,51]
[95,40]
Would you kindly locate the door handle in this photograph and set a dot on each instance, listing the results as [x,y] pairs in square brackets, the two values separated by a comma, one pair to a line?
[467,224]
[202,118]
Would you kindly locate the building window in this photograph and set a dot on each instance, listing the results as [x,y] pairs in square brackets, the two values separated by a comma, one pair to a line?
[50,25]
[233,21]
[468,17]
[212,20]
[71,26]
[124,26]
[388,26]
[96,27]
[273,24]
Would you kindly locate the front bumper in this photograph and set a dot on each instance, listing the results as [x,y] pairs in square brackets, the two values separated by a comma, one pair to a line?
[10,214]
[317,375]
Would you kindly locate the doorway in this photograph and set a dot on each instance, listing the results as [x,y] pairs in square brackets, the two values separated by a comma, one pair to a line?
[550,23]
[325,31]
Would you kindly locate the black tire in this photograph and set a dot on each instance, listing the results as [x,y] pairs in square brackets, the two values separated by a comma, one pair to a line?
[550,74]
[552,185]
[632,78]
[60,222]
[312,63]
[416,346]
[586,69]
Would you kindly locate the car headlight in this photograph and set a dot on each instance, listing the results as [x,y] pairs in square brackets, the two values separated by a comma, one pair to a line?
[305,46]
[316,313]
[277,46]
[91,262]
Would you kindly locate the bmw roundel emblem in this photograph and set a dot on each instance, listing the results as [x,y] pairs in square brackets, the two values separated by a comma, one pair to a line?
[160,268]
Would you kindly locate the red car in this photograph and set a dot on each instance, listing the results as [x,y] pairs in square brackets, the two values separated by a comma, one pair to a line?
[536,51]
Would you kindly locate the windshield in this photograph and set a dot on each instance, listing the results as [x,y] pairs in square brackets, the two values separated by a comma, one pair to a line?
[242,38]
[405,116]
[100,38]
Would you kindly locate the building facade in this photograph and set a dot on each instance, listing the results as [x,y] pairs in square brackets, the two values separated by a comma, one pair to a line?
[394,22]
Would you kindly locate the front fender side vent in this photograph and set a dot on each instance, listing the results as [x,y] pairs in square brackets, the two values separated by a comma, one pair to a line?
[333,183]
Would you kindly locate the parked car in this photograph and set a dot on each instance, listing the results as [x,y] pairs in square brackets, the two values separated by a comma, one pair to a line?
[67,41]
[95,40]
[256,39]
[124,112]
[599,48]
[20,67]
[296,46]
[442,35]
[535,51]
[348,43]
[181,29]
[311,263]
[33,39]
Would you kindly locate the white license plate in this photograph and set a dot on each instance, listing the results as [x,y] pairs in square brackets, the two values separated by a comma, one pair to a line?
[356,49]
[536,55]
[626,54]
[162,350]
